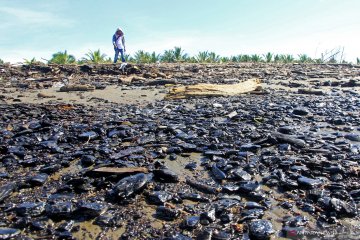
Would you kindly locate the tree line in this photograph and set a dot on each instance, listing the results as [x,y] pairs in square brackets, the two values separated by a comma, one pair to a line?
[177,54]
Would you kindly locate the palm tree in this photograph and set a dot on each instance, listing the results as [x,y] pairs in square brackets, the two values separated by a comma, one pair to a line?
[154,58]
[179,54]
[191,59]
[95,56]
[30,61]
[213,57]
[235,58]
[256,58]
[245,58]
[128,58]
[277,58]
[289,58]
[224,59]
[142,57]
[168,56]
[303,58]
[202,57]
[268,57]
[62,58]
[286,58]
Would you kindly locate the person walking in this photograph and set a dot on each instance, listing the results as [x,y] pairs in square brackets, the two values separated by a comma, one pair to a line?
[119,44]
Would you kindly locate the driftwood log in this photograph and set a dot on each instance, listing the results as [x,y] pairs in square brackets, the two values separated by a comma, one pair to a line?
[210,90]
[77,87]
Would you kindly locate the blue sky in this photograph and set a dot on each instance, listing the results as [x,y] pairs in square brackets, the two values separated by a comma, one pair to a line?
[38,28]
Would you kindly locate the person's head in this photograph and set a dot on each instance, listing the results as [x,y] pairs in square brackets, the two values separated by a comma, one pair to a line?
[119,31]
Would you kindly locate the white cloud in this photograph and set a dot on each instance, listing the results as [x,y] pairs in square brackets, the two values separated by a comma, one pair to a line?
[31,17]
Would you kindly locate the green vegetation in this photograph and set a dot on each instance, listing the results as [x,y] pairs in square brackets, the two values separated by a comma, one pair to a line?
[357,60]
[143,57]
[177,54]
[62,58]
[303,58]
[268,57]
[174,55]
[95,57]
[256,58]
[1,61]
[31,61]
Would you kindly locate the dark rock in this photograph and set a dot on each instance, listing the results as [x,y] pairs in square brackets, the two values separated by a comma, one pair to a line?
[177,236]
[87,136]
[190,222]
[250,148]
[166,175]
[353,137]
[250,214]
[207,217]
[202,187]
[90,210]
[309,182]
[30,209]
[342,208]
[289,139]
[205,235]
[193,197]
[167,213]
[8,233]
[217,173]
[129,186]
[88,160]
[191,166]
[59,210]
[6,190]
[248,187]
[159,197]
[38,180]
[260,229]
[241,175]
[49,169]
[286,130]
[221,235]
[66,226]
[301,111]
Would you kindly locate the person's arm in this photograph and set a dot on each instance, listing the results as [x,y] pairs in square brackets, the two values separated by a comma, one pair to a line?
[114,41]
[123,42]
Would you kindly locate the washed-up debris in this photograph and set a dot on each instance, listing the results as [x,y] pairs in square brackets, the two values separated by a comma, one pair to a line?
[161,82]
[45,95]
[120,171]
[70,88]
[311,92]
[212,90]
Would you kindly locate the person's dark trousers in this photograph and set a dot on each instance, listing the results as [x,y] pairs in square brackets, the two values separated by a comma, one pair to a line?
[117,51]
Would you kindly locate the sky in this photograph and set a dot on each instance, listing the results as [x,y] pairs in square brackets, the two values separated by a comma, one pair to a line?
[39,28]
